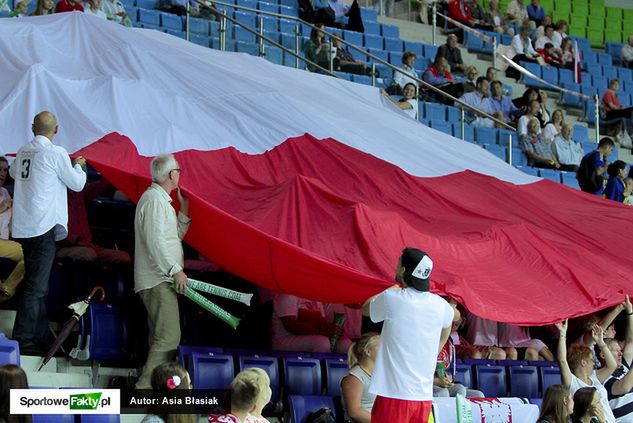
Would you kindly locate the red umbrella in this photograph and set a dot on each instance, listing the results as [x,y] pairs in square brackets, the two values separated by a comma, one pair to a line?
[78,308]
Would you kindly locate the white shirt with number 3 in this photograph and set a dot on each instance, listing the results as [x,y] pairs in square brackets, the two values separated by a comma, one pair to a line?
[42,172]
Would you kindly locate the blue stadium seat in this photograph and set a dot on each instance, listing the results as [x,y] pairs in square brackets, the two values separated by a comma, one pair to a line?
[565,76]
[287,40]
[590,57]
[495,149]
[548,376]
[150,26]
[373,41]
[199,26]
[352,37]
[519,158]
[107,332]
[361,79]
[289,10]
[211,372]
[569,99]
[151,17]
[133,12]
[421,64]
[269,365]
[550,74]
[536,401]
[243,35]
[380,53]
[185,351]
[469,132]
[523,381]
[302,376]
[594,69]
[246,18]
[335,370]
[614,49]
[441,126]
[569,179]
[480,361]
[453,114]
[147,4]
[287,26]
[372,28]
[179,34]
[53,418]
[609,72]
[247,3]
[100,418]
[171,21]
[201,40]
[605,59]
[391,31]
[393,44]
[430,51]
[268,7]
[302,405]
[270,23]
[368,14]
[599,82]
[274,55]
[491,380]
[9,351]
[551,174]
[288,2]
[581,133]
[435,112]
[463,374]
[125,3]
[415,47]
[329,356]
[502,138]
[535,69]
[625,74]
[485,135]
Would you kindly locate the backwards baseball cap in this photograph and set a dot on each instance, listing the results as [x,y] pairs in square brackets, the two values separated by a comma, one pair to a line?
[421,265]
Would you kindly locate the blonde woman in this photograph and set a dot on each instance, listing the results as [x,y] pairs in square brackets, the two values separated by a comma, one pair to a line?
[357,401]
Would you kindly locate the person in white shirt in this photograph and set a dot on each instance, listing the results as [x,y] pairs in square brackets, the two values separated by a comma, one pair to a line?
[417,323]
[159,261]
[522,45]
[93,7]
[546,38]
[408,102]
[522,125]
[627,53]
[568,152]
[42,173]
[8,249]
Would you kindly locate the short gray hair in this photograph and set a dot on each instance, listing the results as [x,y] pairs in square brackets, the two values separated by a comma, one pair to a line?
[161,166]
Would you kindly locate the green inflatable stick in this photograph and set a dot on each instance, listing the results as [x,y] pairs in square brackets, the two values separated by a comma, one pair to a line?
[220,291]
[211,307]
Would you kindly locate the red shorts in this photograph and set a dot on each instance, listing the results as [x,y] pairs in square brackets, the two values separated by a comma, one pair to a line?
[400,411]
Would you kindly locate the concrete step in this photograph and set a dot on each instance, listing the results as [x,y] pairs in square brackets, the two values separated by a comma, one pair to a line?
[58,380]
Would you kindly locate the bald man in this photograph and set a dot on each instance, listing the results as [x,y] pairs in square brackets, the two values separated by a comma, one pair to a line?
[42,173]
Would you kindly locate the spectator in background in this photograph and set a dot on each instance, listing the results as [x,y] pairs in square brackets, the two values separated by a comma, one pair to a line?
[450,51]
[502,103]
[538,151]
[479,100]
[554,126]
[315,49]
[560,33]
[439,76]
[611,102]
[522,45]
[265,393]
[536,12]
[540,30]
[159,261]
[408,102]
[568,152]
[68,6]
[8,249]
[550,55]
[299,324]
[588,406]
[44,7]
[244,392]
[627,53]
[459,10]
[577,371]
[42,173]
[12,377]
[356,398]
[482,340]
[78,246]
[566,54]
[491,74]
[522,124]
[345,62]
[400,79]
[519,339]
[557,405]
[517,13]
[615,185]
[470,82]
[20,10]
[593,166]
[115,11]
[547,37]
[93,7]
[166,377]
[498,20]
[628,191]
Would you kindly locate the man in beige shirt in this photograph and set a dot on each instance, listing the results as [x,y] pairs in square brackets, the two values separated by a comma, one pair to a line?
[159,260]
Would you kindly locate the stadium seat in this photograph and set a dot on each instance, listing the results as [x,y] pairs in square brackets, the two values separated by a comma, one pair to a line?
[391,31]
[335,370]
[100,418]
[502,138]
[185,351]
[435,112]
[609,72]
[535,69]
[380,53]
[491,380]
[105,332]
[497,150]
[274,55]
[479,362]
[551,174]
[569,179]
[415,47]
[246,18]
[268,7]
[550,74]
[485,135]
[441,126]
[151,17]
[372,28]
[179,34]
[133,12]
[289,10]
[270,23]
[302,405]
[171,21]
[519,158]
[147,4]
[430,52]
[9,351]
[201,40]
[53,418]
[368,14]
[523,381]
[302,376]
[329,356]
[536,401]
[581,133]
[453,114]
[569,99]
[243,35]
[512,363]
[393,44]
[463,374]
[548,376]
[361,79]
[469,132]
[269,365]
[605,59]
[373,41]
[565,76]
[625,74]
[211,372]
[247,3]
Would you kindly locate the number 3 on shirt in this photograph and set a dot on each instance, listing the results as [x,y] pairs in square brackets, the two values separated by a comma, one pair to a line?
[25,172]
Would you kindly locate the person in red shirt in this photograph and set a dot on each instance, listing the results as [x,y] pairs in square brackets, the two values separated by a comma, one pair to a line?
[550,55]
[68,6]
[611,102]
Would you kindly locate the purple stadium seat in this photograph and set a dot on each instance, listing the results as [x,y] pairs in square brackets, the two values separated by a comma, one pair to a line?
[335,370]
[185,351]
[107,332]
[212,372]
[53,418]
[491,380]
[269,365]
[9,351]
[100,418]
[302,376]
[548,376]
[463,374]
[523,381]
[302,406]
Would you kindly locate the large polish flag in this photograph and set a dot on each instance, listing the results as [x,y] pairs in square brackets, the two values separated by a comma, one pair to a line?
[308,184]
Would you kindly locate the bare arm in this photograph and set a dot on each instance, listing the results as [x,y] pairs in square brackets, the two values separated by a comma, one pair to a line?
[402,104]
[608,318]
[609,361]
[352,392]
[565,372]
[627,353]
[624,385]
[446,332]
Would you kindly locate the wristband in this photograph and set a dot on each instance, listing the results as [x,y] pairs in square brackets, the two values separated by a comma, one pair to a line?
[629,314]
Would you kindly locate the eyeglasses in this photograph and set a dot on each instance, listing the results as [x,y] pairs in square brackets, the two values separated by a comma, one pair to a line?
[175,170]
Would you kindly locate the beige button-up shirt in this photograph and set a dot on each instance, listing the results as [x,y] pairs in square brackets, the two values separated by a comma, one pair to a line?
[158,239]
